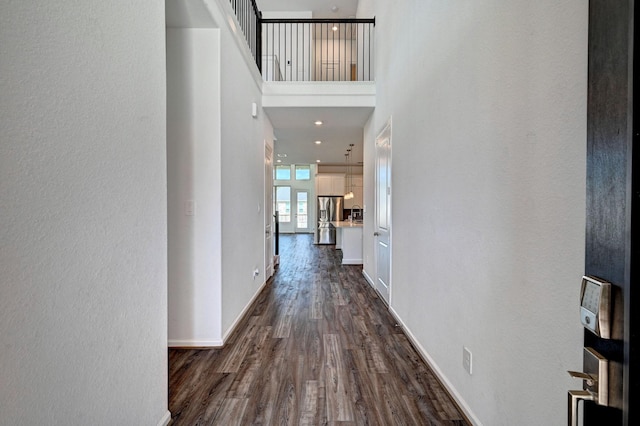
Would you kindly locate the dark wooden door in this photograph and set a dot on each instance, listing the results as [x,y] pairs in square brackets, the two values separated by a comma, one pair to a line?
[612,191]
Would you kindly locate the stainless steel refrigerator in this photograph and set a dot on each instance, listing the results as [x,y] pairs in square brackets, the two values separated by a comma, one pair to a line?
[329,209]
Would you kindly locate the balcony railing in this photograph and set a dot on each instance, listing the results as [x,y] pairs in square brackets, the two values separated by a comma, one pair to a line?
[249,18]
[317,49]
[308,49]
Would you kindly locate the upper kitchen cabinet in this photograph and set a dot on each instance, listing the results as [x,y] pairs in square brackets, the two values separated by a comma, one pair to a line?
[330,184]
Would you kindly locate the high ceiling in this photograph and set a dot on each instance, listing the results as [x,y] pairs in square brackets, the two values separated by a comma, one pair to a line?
[293,127]
[320,8]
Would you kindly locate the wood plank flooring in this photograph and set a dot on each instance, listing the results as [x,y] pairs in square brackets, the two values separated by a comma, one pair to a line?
[318,348]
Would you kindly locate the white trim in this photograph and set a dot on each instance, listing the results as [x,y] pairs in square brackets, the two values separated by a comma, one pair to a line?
[244,312]
[368,278]
[432,364]
[164,421]
[319,94]
[352,261]
[176,343]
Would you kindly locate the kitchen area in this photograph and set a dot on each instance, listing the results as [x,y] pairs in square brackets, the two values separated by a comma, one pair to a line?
[340,215]
[324,201]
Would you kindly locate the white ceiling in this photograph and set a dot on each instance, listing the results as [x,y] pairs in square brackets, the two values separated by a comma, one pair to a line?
[320,8]
[296,134]
[294,128]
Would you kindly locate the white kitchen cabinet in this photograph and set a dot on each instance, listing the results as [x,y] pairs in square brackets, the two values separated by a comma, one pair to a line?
[337,185]
[330,184]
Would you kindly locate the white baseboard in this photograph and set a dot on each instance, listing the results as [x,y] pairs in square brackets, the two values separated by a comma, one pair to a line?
[432,364]
[352,261]
[239,318]
[164,421]
[174,343]
[368,278]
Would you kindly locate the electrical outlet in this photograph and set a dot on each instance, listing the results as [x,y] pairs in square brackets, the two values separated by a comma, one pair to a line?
[466,360]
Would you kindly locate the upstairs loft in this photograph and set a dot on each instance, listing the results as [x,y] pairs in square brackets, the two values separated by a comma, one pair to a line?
[307,50]
[327,69]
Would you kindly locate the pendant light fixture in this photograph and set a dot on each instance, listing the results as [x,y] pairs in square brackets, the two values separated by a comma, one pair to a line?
[350,172]
[346,186]
[349,180]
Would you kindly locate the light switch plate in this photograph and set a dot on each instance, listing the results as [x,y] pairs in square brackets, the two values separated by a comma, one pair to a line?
[466,360]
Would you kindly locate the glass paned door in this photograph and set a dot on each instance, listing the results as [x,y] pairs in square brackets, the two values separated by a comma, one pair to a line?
[302,211]
[283,206]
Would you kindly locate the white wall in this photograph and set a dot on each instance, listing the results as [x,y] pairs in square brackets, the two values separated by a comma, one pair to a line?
[194,175]
[488,100]
[243,139]
[83,188]
[216,153]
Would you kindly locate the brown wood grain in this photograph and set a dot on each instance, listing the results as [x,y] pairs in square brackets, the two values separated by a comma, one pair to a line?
[318,347]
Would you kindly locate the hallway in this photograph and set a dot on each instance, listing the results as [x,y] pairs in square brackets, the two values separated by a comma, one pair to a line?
[319,347]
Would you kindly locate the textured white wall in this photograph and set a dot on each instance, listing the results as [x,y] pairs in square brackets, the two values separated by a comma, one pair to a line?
[83,188]
[194,174]
[243,141]
[488,100]
[216,151]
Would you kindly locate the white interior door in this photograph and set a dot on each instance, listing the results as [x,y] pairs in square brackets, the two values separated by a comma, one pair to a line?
[383,213]
[268,211]
[302,218]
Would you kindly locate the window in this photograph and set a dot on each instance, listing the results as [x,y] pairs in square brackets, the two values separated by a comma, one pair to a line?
[302,198]
[283,172]
[283,203]
[303,172]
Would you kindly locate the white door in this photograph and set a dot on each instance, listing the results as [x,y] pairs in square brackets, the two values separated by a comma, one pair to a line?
[286,210]
[302,218]
[268,211]
[382,232]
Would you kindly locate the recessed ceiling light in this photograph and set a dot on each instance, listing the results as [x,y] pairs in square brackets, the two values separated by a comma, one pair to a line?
[334,28]
[317,161]
[318,142]
[318,123]
[334,8]
[282,155]
[278,161]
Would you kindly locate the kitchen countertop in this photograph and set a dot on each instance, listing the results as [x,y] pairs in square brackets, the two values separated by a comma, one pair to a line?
[347,224]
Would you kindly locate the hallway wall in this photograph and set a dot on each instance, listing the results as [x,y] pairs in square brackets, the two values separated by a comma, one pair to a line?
[83,300]
[488,100]
[216,159]
[243,140]
[194,164]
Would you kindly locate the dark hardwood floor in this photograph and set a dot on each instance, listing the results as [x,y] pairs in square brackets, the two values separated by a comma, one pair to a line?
[318,347]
